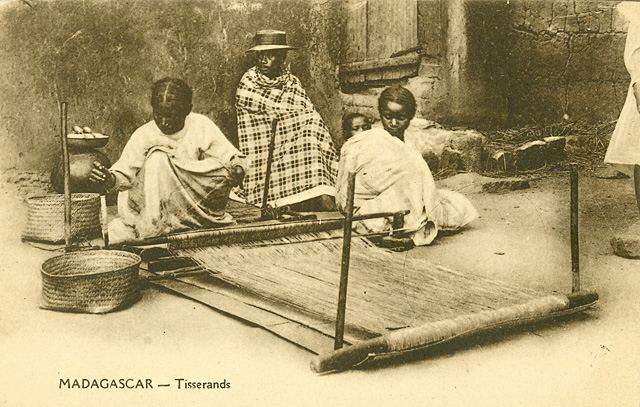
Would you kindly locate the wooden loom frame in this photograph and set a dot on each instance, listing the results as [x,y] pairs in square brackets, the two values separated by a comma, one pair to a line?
[233,301]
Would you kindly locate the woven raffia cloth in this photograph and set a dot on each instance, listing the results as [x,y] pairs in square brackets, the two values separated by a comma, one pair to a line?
[305,162]
[45,217]
[95,281]
[386,290]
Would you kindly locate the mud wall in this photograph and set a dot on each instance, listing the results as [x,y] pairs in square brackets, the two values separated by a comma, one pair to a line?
[542,59]
[102,56]
[507,63]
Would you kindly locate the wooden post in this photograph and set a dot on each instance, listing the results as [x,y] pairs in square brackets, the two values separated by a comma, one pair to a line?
[344,272]
[575,244]
[397,223]
[65,164]
[104,219]
[267,176]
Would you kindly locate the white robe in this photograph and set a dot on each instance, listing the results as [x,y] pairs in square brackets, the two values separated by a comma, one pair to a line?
[175,182]
[391,177]
[624,147]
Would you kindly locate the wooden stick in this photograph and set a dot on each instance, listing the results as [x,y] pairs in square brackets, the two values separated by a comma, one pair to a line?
[220,233]
[575,244]
[105,220]
[177,273]
[65,163]
[267,176]
[344,272]
[464,326]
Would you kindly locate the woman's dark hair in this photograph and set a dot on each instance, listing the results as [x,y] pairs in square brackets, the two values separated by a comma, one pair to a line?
[400,95]
[171,90]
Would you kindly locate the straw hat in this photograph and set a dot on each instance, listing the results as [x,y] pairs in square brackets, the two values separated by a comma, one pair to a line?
[270,39]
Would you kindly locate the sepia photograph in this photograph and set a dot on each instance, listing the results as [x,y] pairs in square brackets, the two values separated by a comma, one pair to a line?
[320,203]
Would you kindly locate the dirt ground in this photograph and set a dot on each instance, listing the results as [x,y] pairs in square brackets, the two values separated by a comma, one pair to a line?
[522,236]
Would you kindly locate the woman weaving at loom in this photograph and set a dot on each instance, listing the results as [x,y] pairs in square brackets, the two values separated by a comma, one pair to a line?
[305,162]
[391,176]
[175,172]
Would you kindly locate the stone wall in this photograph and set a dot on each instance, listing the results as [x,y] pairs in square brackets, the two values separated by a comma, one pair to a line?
[102,56]
[495,63]
[542,59]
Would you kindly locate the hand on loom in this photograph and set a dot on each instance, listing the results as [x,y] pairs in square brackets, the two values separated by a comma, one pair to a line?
[236,176]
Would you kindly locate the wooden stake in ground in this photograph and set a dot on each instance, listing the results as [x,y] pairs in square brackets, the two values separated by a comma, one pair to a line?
[575,244]
[265,213]
[65,164]
[344,272]
[104,219]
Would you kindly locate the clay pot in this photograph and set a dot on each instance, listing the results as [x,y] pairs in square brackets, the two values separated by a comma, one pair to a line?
[80,166]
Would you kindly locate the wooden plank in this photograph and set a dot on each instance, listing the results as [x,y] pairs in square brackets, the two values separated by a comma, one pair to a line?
[431,26]
[410,24]
[378,30]
[381,63]
[356,40]
[399,72]
[391,26]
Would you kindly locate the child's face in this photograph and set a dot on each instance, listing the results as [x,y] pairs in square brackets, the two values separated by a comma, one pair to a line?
[358,125]
[395,118]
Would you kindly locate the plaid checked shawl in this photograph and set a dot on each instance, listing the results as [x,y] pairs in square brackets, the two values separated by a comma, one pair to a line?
[304,156]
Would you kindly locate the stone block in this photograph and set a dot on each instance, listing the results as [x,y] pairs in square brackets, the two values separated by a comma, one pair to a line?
[364,100]
[517,12]
[500,161]
[451,162]
[627,243]
[435,139]
[555,148]
[531,155]
[620,22]
[559,15]
[536,59]
[590,15]
[539,15]
[422,87]
[596,57]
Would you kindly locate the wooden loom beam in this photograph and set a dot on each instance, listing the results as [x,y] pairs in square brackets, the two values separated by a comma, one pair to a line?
[436,333]
[245,233]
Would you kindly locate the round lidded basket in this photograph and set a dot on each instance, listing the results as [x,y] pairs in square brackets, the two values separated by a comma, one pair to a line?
[94,281]
[45,218]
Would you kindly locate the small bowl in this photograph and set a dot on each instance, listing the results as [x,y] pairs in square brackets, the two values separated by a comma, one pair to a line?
[85,143]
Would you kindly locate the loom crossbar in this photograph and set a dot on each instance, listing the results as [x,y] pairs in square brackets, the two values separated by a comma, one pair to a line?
[430,334]
[249,233]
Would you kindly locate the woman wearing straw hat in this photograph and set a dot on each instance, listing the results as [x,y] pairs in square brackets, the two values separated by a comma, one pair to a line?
[305,162]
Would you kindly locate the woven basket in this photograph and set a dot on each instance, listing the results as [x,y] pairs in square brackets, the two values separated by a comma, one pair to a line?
[45,219]
[95,281]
